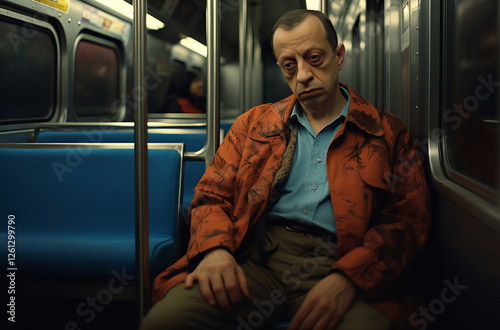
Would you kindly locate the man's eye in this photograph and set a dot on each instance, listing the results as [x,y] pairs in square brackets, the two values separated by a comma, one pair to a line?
[315,58]
[288,65]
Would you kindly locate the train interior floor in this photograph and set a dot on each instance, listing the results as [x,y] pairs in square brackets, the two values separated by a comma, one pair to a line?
[76,314]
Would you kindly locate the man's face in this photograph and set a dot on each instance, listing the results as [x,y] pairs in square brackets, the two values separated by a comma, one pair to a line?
[309,64]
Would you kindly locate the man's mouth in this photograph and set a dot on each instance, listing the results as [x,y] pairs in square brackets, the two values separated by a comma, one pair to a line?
[313,92]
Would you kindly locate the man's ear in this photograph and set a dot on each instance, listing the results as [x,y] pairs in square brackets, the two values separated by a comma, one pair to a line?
[340,52]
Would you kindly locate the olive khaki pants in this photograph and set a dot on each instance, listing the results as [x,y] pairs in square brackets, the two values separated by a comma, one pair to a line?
[297,262]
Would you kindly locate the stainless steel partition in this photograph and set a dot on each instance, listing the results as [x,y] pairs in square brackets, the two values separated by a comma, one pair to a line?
[243,53]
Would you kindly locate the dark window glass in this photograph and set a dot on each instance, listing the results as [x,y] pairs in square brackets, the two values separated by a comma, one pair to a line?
[28,72]
[96,80]
[156,3]
[471,116]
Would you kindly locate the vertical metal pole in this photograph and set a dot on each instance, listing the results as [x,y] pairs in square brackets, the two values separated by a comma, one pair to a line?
[213,81]
[323,6]
[243,52]
[141,158]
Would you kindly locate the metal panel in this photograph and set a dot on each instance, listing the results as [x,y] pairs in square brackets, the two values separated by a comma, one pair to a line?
[361,29]
[374,53]
[243,54]
[414,108]
[405,62]
[393,57]
[349,32]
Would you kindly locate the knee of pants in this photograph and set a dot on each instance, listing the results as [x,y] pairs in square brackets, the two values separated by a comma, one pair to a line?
[362,316]
[160,318]
[182,309]
[151,324]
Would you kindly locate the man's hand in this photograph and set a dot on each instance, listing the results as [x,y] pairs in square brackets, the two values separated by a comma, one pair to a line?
[221,280]
[325,304]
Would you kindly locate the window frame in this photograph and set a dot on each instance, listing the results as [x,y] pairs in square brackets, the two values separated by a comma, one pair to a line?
[117,46]
[489,193]
[41,23]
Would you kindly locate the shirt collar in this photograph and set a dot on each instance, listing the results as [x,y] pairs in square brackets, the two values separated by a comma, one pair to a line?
[299,114]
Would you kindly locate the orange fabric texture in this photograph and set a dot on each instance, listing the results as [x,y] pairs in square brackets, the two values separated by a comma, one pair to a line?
[377,186]
[187,106]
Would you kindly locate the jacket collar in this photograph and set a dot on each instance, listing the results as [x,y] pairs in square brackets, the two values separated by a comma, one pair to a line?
[361,113]
[274,121]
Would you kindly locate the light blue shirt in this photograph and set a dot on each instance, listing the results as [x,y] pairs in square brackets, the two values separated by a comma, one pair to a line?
[305,197]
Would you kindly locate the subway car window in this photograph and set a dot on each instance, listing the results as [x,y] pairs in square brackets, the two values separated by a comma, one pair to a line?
[28,82]
[471,115]
[96,80]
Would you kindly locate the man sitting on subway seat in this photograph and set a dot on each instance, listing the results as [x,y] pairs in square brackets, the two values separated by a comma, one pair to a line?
[310,211]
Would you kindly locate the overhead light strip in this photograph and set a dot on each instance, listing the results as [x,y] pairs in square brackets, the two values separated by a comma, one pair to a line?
[313,4]
[194,45]
[127,9]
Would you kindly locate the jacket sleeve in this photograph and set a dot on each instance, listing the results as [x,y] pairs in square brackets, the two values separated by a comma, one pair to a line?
[212,206]
[398,225]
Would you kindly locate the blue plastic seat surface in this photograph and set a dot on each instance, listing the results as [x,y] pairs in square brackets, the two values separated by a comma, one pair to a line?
[193,141]
[75,210]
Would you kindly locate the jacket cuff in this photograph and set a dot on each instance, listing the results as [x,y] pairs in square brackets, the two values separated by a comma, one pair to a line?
[358,266]
[195,260]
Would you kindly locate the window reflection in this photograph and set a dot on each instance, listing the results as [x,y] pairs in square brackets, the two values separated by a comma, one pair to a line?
[96,80]
[471,116]
[28,74]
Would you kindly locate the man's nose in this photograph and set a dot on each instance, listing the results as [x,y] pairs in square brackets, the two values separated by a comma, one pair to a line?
[304,73]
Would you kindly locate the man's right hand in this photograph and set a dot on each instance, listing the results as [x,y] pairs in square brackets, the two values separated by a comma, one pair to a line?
[221,280]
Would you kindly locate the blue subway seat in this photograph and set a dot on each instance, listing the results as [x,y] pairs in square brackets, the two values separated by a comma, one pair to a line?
[74,210]
[226,126]
[193,139]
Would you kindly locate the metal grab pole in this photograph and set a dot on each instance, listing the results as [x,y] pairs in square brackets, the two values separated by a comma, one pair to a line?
[323,6]
[141,158]
[213,81]
[243,53]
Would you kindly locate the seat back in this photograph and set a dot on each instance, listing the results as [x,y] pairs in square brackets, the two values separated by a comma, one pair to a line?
[194,140]
[84,195]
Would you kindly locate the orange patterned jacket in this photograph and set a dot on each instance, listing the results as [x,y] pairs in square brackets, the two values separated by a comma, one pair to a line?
[377,186]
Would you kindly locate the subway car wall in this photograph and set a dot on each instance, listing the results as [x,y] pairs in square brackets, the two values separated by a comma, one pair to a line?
[67,101]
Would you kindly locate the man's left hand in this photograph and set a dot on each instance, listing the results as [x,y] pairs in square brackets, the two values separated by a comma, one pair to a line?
[325,304]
